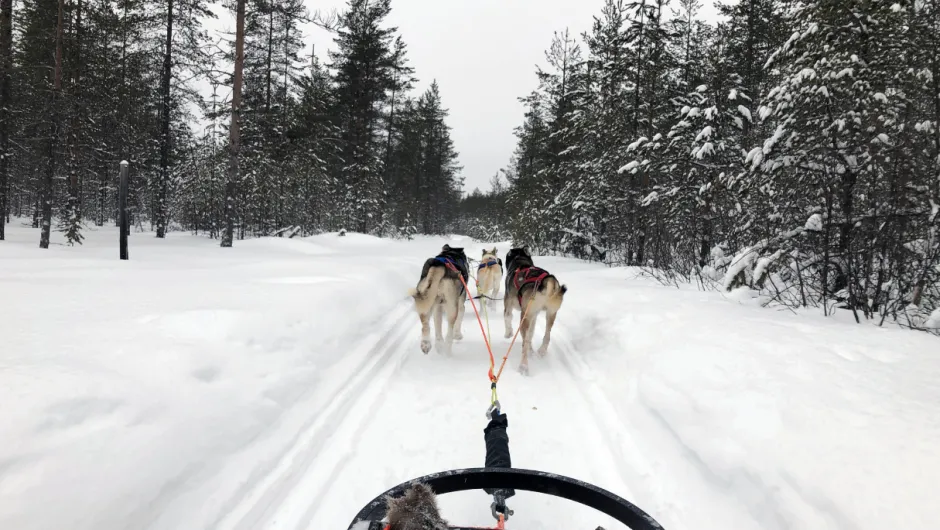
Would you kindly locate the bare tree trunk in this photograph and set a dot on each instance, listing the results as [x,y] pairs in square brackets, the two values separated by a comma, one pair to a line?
[234,136]
[162,206]
[6,65]
[54,133]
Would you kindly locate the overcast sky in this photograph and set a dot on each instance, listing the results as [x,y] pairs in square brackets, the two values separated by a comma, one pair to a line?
[483,54]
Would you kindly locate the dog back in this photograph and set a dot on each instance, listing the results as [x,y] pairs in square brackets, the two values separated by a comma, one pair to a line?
[522,275]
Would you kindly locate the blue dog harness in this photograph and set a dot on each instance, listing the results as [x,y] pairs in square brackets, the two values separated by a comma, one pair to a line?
[490,263]
[459,265]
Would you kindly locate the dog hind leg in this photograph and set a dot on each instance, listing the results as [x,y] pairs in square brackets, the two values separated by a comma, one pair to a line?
[461,309]
[549,322]
[507,317]
[452,312]
[527,327]
[426,331]
[438,324]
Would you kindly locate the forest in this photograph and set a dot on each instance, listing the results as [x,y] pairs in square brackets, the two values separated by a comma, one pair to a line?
[791,147]
[344,143]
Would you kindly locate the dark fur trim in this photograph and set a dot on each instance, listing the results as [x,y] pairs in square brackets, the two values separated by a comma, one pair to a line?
[415,510]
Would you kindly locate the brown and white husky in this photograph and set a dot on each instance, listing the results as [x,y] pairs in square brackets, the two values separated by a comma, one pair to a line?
[440,291]
[530,290]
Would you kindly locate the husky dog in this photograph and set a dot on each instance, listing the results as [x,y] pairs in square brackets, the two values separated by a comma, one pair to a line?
[489,276]
[416,510]
[532,287]
[440,290]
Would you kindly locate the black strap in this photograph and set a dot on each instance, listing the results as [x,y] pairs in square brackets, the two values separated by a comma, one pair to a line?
[497,450]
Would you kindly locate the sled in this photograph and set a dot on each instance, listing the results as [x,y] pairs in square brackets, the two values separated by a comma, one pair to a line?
[371,516]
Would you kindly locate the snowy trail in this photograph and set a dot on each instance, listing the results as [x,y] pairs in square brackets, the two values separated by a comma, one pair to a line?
[656,453]
[548,417]
[281,498]
[279,385]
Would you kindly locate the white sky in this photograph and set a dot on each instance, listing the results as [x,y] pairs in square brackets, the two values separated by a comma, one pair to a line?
[483,54]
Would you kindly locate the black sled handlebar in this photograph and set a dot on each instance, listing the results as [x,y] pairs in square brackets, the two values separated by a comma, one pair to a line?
[500,480]
[589,495]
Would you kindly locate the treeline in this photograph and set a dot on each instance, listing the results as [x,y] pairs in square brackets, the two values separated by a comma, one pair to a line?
[792,147]
[344,144]
[483,215]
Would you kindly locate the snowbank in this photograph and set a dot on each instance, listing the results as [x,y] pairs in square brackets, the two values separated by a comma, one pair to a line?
[749,418]
[126,383]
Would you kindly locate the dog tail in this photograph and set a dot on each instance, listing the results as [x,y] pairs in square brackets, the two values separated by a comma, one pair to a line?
[428,284]
[555,290]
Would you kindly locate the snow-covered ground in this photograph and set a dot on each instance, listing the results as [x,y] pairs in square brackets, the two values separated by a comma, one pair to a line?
[279,385]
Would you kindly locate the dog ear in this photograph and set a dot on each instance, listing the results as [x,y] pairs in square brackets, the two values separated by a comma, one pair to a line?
[484,251]
[525,250]
[495,250]
[445,248]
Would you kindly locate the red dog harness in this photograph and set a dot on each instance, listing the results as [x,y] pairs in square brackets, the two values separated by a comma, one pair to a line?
[528,275]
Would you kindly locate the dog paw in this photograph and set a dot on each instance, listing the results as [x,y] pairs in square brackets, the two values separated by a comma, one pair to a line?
[543,350]
[458,336]
[425,345]
[524,369]
[508,334]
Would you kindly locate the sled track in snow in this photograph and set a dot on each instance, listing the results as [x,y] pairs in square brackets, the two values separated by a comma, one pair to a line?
[628,460]
[287,496]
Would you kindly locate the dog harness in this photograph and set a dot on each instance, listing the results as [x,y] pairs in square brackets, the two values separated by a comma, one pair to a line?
[458,264]
[528,275]
[490,263]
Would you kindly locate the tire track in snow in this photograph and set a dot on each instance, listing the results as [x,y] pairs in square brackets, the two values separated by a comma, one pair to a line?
[281,498]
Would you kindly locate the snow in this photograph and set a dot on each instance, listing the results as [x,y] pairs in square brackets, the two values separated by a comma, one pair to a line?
[630,166]
[754,157]
[933,322]
[706,132]
[278,384]
[814,223]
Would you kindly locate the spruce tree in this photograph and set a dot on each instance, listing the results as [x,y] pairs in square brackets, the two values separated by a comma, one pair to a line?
[6,110]
[365,65]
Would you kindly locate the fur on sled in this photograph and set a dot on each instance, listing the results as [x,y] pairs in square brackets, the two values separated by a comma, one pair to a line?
[416,510]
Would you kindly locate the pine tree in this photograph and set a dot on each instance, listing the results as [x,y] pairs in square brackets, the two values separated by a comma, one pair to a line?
[527,166]
[919,150]
[6,67]
[834,123]
[183,42]
[604,124]
[234,146]
[647,36]
[365,65]
[314,133]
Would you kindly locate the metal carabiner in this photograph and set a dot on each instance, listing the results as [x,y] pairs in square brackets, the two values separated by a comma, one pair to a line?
[494,407]
[499,508]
